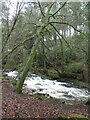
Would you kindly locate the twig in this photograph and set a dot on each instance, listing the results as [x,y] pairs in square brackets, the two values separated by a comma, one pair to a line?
[60,35]
[59,9]
[67,24]
[14,23]
[41,9]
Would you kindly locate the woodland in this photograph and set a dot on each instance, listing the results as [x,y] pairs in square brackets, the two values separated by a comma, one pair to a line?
[49,39]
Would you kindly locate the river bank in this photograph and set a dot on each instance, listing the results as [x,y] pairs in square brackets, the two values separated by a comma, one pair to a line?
[28,106]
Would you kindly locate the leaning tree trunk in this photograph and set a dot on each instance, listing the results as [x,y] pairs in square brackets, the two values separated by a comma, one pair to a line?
[28,66]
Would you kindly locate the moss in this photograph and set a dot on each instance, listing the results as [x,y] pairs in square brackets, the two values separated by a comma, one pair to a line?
[67,102]
[59,101]
[39,96]
[81,84]
[74,67]
[52,73]
[73,117]
[14,82]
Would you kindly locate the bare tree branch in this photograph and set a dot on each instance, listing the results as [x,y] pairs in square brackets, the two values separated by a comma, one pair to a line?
[41,9]
[58,9]
[21,43]
[14,23]
[50,7]
[60,35]
[68,25]
[44,45]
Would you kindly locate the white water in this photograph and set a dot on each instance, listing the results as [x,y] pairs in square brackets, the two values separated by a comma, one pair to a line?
[53,88]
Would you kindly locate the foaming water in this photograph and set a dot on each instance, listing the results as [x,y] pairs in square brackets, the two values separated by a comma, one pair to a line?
[60,90]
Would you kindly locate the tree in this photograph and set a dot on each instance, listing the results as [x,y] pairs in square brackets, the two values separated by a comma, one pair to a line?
[42,23]
[28,65]
[45,22]
[8,27]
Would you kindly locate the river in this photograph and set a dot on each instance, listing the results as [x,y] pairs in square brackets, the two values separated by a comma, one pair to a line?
[60,90]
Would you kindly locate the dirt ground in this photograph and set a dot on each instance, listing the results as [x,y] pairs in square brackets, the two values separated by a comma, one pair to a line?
[27,106]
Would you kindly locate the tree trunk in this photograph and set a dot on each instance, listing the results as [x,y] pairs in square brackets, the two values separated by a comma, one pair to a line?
[55,39]
[89,42]
[43,52]
[28,66]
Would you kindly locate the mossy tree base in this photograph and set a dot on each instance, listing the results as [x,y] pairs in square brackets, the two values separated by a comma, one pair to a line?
[28,66]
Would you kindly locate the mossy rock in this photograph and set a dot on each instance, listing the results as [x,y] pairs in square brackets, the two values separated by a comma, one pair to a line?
[88,102]
[52,74]
[39,96]
[72,117]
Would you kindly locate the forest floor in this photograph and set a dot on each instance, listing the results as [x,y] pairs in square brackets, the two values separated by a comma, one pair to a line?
[27,106]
